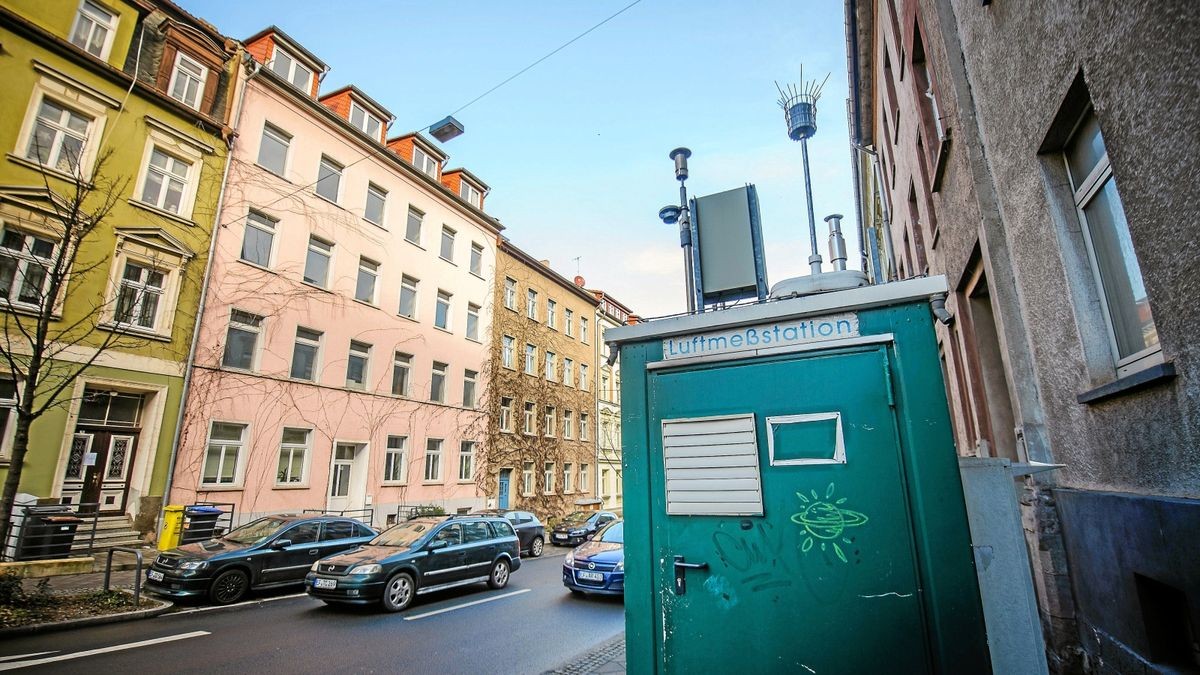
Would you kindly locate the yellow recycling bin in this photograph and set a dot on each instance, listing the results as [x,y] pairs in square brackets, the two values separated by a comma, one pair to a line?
[172,527]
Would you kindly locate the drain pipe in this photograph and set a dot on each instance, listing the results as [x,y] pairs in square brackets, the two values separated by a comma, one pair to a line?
[253,68]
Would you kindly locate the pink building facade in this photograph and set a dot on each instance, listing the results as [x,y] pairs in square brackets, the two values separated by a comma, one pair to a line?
[343,336]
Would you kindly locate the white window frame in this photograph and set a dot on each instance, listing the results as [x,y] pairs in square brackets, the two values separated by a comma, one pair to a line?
[142,291]
[239,454]
[529,419]
[470,386]
[178,70]
[258,331]
[442,370]
[1083,193]
[476,261]
[292,69]
[583,329]
[260,221]
[356,350]
[442,309]
[402,361]
[24,259]
[583,377]
[551,365]
[510,293]
[425,162]
[551,314]
[506,414]
[109,24]
[527,486]
[284,139]
[307,341]
[472,327]
[367,118]
[409,285]
[508,352]
[471,195]
[569,321]
[531,304]
[398,450]
[583,475]
[79,101]
[168,176]
[448,235]
[549,471]
[305,449]
[568,426]
[335,168]
[530,359]
[466,460]
[381,195]
[568,483]
[367,268]
[550,421]
[584,430]
[320,247]
[8,416]
[436,456]
[568,372]
[419,215]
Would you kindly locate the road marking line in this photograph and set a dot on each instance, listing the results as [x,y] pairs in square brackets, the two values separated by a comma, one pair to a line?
[468,604]
[13,665]
[247,602]
[25,656]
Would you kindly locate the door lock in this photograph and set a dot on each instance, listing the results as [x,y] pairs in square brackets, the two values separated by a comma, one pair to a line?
[681,568]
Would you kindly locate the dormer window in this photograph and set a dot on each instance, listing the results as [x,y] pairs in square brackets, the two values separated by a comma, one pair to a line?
[470,194]
[286,66]
[187,81]
[365,121]
[94,29]
[425,163]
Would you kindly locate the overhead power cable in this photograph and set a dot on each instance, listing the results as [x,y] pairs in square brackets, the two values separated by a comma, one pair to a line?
[378,151]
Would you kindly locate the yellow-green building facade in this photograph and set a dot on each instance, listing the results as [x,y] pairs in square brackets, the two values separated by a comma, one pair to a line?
[130,98]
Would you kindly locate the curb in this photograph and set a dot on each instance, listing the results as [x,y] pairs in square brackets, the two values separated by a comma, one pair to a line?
[592,659]
[162,608]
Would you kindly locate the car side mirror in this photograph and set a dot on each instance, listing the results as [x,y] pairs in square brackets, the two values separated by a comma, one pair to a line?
[436,544]
[280,544]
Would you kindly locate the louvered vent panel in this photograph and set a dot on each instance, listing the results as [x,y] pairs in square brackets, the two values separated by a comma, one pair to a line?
[712,466]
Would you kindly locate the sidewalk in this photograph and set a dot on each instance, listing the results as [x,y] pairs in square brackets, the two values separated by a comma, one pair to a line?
[606,659]
[75,583]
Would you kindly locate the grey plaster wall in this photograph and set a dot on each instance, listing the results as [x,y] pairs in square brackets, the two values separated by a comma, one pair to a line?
[1139,61]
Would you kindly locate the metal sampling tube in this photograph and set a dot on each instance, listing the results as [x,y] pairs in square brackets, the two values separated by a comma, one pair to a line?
[837,243]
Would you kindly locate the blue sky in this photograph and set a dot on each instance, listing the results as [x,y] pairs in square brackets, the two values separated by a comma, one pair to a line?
[575,150]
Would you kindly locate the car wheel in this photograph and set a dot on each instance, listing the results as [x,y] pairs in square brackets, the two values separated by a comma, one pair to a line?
[535,547]
[499,577]
[398,592]
[229,587]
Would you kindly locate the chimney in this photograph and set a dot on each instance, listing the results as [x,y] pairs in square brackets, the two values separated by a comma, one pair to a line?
[579,281]
[633,319]
[545,263]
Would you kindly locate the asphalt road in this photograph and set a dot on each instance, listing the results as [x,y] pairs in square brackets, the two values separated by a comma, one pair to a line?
[530,626]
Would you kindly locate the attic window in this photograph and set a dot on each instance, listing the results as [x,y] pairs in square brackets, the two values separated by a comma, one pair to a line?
[470,194]
[423,161]
[286,66]
[187,81]
[365,121]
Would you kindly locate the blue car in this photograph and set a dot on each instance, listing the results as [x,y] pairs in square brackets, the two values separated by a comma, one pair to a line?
[598,565]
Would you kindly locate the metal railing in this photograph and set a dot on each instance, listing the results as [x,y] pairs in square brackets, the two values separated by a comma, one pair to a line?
[364,516]
[137,575]
[50,531]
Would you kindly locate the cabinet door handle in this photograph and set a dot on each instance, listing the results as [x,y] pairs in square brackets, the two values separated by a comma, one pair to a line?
[681,568]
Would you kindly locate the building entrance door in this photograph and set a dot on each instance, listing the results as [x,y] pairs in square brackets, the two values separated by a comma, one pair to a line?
[505,478]
[102,451]
[346,485]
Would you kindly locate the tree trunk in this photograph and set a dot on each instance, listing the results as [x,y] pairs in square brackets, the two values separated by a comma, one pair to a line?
[13,481]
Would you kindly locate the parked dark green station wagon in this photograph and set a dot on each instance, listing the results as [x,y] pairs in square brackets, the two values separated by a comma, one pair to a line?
[419,556]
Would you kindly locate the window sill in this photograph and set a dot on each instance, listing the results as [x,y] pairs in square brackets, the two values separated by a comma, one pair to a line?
[128,331]
[314,286]
[367,303]
[1156,374]
[445,259]
[475,340]
[161,212]
[393,483]
[290,486]
[257,266]
[408,318]
[219,488]
[357,390]
[444,330]
[432,482]
[511,309]
[322,197]
[50,171]
[478,275]
[466,482]
[273,173]
[379,225]
[418,245]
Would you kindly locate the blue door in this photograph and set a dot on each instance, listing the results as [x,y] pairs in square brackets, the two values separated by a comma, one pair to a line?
[503,501]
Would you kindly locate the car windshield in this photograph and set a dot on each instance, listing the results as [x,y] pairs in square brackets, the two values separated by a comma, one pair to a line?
[255,531]
[403,534]
[613,534]
[577,517]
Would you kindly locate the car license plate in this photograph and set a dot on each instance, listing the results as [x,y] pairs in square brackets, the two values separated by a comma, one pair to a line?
[560,536]
[324,583]
[591,576]
[155,575]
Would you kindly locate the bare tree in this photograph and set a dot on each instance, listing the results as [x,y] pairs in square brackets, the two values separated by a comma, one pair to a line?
[45,347]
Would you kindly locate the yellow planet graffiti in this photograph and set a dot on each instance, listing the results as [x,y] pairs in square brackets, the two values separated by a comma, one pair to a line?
[824,519]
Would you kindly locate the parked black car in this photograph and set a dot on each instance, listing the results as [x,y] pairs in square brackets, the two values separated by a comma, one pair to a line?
[419,556]
[529,529]
[575,528]
[268,552]
[598,565]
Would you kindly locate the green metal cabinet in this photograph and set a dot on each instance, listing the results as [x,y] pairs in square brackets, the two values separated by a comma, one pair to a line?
[792,497]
